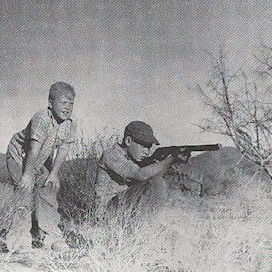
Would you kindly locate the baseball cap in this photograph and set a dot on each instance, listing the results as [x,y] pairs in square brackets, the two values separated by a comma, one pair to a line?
[141,132]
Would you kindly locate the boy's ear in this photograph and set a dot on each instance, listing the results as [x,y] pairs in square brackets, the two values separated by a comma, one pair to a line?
[128,140]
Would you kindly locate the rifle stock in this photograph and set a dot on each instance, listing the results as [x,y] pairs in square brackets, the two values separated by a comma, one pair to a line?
[163,152]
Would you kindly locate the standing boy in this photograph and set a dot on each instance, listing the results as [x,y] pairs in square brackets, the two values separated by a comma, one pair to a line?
[34,157]
[121,178]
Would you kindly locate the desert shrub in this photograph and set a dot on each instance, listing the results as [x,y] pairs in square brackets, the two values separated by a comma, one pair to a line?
[76,194]
[240,106]
[78,174]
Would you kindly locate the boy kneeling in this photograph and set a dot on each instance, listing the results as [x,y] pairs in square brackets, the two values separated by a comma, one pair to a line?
[120,179]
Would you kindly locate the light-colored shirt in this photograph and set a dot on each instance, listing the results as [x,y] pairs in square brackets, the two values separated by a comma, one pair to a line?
[114,174]
[43,128]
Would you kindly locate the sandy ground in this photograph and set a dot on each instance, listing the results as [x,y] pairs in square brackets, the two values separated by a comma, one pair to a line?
[12,267]
[15,263]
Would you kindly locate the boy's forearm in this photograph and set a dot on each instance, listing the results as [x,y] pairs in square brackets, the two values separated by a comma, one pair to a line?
[60,158]
[154,169]
[31,158]
[29,164]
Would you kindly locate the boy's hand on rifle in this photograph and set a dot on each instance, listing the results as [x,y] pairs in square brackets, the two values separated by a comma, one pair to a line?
[184,155]
[26,182]
[52,180]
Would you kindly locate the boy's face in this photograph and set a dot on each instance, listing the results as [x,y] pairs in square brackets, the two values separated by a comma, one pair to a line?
[137,151]
[62,107]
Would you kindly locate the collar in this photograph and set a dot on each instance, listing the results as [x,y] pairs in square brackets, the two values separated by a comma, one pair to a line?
[122,149]
[54,121]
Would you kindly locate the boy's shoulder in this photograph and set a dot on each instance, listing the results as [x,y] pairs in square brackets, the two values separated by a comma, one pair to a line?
[116,153]
[41,115]
[116,149]
[45,116]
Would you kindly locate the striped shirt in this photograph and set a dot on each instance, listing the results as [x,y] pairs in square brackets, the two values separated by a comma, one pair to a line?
[43,128]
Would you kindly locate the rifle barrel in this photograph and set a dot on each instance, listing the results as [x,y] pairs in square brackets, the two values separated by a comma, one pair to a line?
[211,147]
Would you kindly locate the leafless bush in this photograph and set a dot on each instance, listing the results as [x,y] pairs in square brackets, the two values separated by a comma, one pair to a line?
[241,107]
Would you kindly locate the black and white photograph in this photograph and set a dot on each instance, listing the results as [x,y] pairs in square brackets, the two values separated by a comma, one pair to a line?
[135,136]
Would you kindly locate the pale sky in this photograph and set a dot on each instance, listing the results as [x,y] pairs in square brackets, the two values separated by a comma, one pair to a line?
[127,60]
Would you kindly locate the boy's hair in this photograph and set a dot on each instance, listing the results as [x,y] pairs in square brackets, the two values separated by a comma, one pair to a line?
[60,88]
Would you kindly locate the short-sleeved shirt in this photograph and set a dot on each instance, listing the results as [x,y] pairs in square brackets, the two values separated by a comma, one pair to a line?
[114,174]
[43,128]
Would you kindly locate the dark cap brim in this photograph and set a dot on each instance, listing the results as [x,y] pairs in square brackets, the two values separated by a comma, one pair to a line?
[155,141]
[146,139]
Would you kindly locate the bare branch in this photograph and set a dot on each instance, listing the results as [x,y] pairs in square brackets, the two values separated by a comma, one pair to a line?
[239,109]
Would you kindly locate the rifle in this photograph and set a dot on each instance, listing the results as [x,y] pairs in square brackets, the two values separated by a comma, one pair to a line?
[162,153]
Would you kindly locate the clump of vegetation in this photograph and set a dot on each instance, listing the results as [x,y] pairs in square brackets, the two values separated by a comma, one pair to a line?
[240,105]
[6,211]
[78,175]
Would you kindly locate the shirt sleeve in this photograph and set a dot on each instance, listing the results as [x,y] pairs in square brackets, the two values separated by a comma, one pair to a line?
[38,127]
[115,161]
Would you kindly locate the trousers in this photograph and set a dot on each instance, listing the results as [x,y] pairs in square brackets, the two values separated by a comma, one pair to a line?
[35,213]
[142,199]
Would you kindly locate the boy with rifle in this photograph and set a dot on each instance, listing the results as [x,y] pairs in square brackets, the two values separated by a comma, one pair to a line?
[121,177]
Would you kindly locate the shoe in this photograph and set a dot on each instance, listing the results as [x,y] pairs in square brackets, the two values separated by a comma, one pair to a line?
[37,243]
[3,247]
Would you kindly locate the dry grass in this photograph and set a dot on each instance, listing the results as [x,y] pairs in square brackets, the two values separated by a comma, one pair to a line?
[190,234]
[6,204]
